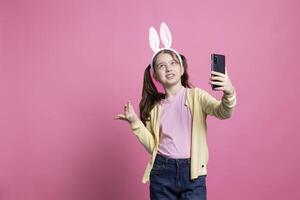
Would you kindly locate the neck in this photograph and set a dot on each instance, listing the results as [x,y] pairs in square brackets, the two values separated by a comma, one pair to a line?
[172,91]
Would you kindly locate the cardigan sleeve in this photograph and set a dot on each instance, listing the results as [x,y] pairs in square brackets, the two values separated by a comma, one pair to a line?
[222,109]
[144,134]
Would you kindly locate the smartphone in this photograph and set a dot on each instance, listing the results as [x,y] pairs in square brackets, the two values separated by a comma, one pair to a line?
[217,64]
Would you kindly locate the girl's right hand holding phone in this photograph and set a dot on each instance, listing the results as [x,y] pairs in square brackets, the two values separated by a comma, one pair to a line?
[129,115]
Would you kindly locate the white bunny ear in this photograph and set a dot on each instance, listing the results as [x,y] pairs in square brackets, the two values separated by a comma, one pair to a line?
[165,35]
[153,39]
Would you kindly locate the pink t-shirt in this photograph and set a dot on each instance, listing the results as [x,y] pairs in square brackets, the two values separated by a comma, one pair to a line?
[175,127]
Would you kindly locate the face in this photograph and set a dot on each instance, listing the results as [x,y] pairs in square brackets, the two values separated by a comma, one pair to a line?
[167,70]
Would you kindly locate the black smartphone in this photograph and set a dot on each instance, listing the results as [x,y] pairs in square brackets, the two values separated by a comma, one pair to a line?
[217,64]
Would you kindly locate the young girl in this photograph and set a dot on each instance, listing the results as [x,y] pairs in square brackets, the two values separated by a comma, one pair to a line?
[172,125]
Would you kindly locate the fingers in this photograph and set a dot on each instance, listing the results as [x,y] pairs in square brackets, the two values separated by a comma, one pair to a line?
[120,116]
[217,83]
[130,107]
[217,78]
[219,88]
[218,74]
[125,108]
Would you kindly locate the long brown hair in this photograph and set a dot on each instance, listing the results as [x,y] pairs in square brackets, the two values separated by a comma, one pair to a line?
[150,94]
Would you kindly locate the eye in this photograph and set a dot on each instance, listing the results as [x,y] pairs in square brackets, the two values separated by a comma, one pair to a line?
[160,66]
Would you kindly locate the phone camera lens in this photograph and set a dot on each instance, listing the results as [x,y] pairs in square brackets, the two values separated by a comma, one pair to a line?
[215,60]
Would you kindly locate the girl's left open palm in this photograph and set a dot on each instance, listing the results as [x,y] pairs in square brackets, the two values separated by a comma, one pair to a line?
[129,114]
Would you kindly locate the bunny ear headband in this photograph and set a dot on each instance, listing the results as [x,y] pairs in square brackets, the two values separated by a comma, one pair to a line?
[166,39]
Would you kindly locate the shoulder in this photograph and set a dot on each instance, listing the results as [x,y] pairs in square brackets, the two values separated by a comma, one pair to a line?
[196,91]
[155,108]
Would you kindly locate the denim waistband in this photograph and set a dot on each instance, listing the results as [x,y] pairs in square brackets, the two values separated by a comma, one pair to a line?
[162,158]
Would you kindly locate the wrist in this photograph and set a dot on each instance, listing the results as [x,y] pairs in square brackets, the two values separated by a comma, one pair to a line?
[229,93]
[135,119]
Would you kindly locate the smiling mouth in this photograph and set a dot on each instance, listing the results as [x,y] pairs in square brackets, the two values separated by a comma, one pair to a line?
[170,76]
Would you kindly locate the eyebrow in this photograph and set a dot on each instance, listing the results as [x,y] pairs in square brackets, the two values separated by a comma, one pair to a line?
[166,62]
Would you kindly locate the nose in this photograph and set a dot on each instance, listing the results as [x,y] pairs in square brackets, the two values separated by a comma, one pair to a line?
[168,67]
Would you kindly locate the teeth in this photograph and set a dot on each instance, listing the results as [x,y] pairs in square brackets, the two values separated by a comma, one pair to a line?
[170,76]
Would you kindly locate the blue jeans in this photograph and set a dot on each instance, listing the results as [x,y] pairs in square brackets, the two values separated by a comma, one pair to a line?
[170,179]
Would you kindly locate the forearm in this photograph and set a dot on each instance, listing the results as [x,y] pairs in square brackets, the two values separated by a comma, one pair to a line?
[227,105]
[229,99]
[145,137]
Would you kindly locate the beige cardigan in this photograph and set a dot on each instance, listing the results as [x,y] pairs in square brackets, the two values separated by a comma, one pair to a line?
[201,104]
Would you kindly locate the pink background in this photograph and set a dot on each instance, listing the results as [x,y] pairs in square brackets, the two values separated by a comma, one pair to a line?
[67,68]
